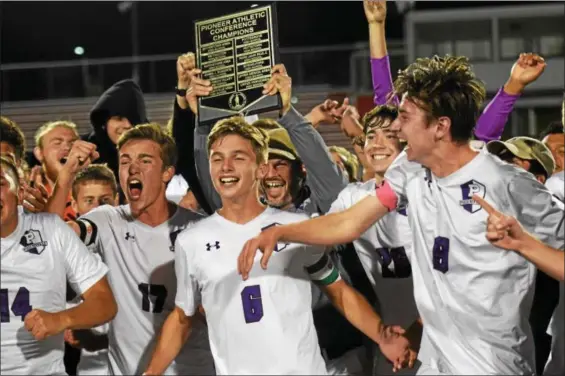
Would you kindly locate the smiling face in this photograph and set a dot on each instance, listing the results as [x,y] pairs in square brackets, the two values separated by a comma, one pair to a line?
[234,168]
[276,184]
[382,146]
[556,144]
[115,126]
[143,176]
[54,149]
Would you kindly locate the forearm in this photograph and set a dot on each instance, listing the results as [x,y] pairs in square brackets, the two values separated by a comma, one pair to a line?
[548,259]
[98,309]
[324,177]
[57,203]
[357,310]
[495,115]
[336,228]
[174,334]
[377,40]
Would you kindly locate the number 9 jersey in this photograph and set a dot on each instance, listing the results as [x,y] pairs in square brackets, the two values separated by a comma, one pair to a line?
[37,260]
[140,260]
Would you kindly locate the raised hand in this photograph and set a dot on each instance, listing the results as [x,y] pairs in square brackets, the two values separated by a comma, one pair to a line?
[527,68]
[42,324]
[329,112]
[81,155]
[35,194]
[281,83]
[375,11]
[265,242]
[185,64]
[350,124]
[503,231]
[199,87]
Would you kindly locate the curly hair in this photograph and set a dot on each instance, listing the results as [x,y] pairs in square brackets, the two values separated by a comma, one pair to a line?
[444,86]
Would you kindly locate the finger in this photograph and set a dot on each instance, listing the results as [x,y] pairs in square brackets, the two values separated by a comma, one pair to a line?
[249,259]
[345,102]
[485,205]
[412,358]
[43,190]
[35,177]
[266,256]
[30,207]
[241,257]
[494,237]
[279,68]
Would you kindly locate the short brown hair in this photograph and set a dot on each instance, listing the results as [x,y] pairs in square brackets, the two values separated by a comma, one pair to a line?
[13,135]
[153,132]
[48,127]
[237,125]
[12,169]
[95,173]
[444,86]
[378,116]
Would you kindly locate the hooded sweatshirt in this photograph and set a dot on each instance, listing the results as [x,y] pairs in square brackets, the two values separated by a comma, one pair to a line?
[123,99]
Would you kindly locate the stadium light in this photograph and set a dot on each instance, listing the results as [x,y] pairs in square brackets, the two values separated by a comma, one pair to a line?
[79,51]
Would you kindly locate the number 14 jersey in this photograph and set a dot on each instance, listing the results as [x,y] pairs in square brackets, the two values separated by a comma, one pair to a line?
[263,325]
[140,260]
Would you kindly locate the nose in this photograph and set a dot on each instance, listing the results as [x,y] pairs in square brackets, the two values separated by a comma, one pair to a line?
[227,165]
[271,172]
[133,167]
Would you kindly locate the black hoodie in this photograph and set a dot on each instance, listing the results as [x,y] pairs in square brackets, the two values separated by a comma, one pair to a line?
[123,99]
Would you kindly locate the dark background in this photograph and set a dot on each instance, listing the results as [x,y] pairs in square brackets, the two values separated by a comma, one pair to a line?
[47,31]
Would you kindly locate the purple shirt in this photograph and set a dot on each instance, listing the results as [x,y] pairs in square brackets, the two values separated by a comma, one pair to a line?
[489,126]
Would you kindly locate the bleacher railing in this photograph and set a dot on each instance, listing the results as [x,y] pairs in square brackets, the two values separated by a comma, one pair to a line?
[336,66]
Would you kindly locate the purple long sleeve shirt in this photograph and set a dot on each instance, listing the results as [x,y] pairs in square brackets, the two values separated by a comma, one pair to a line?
[489,126]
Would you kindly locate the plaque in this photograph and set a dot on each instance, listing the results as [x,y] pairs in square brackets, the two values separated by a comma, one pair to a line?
[236,53]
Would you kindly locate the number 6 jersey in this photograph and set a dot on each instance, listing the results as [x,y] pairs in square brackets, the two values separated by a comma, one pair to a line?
[263,325]
[140,260]
[474,298]
[37,259]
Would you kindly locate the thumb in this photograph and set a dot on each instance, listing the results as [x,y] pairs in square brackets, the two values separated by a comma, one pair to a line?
[266,256]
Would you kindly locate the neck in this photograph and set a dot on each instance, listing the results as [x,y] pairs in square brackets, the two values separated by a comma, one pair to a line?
[379,177]
[9,226]
[450,157]
[47,177]
[242,210]
[156,213]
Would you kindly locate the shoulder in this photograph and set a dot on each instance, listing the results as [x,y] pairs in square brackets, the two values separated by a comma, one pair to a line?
[50,224]
[185,216]
[283,217]
[197,228]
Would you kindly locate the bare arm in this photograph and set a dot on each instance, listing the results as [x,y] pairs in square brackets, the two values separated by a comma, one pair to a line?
[98,307]
[174,334]
[548,259]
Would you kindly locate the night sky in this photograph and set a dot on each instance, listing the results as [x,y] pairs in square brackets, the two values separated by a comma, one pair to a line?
[47,31]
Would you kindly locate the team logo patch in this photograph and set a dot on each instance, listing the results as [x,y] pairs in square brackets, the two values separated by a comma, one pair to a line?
[33,242]
[472,187]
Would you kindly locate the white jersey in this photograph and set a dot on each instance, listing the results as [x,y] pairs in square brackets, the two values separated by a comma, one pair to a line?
[263,325]
[37,260]
[140,259]
[556,363]
[384,251]
[556,185]
[474,298]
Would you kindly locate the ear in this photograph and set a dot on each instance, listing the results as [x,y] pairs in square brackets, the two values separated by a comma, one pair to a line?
[168,174]
[443,125]
[38,153]
[117,199]
[74,205]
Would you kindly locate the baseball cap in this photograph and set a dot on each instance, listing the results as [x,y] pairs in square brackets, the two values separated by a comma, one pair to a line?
[525,148]
[280,145]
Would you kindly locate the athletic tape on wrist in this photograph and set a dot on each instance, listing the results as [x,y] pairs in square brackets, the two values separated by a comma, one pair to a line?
[387,196]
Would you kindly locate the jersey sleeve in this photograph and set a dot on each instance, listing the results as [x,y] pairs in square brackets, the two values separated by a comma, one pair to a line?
[83,268]
[320,268]
[188,292]
[92,225]
[397,176]
[537,210]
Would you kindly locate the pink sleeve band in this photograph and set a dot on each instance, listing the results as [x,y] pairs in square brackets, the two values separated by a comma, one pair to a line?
[387,196]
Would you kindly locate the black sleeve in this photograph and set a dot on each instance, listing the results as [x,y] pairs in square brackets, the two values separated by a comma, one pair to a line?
[183,133]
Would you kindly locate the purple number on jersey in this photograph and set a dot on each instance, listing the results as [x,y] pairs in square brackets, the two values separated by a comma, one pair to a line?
[252,304]
[402,267]
[441,254]
[20,305]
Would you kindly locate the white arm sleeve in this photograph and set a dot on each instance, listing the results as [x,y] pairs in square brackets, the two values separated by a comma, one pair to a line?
[188,292]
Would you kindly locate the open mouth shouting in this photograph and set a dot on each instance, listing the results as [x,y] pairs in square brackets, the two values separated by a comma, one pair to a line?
[134,188]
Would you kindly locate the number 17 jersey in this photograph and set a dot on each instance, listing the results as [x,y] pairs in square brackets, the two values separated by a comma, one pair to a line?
[140,260]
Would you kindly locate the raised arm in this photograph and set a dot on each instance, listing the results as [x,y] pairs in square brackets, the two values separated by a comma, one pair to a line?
[526,70]
[375,12]
[324,177]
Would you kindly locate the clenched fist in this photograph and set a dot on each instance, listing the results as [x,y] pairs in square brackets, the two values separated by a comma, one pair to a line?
[43,324]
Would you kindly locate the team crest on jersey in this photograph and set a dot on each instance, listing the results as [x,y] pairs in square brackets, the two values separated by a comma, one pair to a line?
[468,190]
[33,242]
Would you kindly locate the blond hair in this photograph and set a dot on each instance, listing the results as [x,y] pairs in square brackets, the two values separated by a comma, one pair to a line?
[238,126]
[48,127]
[11,169]
[153,132]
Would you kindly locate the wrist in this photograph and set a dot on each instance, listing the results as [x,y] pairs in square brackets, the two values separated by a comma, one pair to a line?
[376,23]
[65,320]
[183,85]
[284,110]
[65,178]
[513,87]
[527,245]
